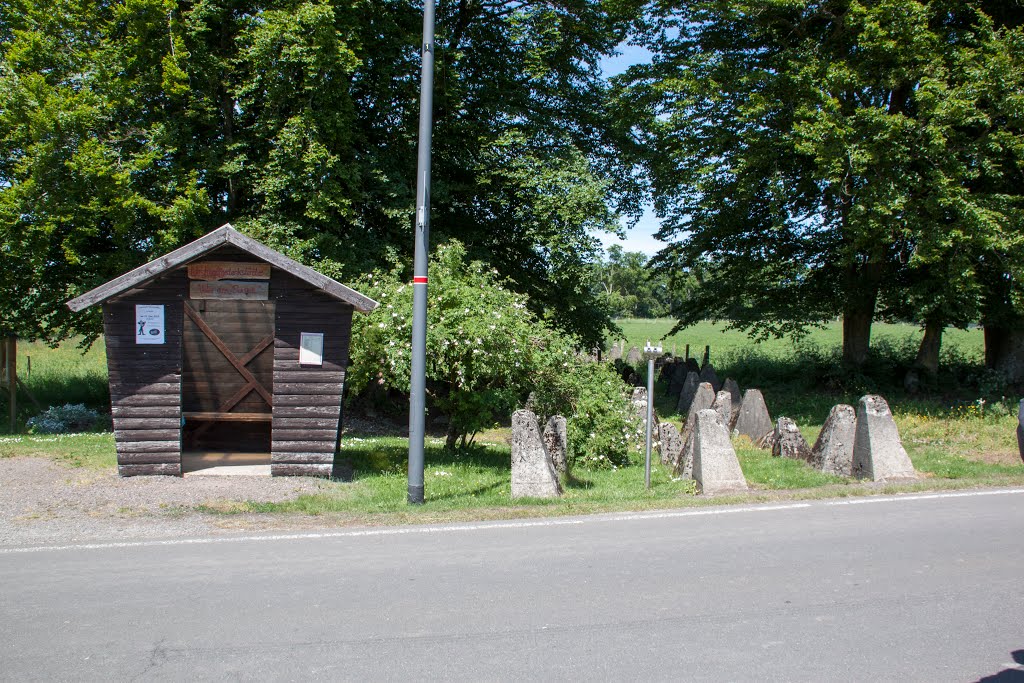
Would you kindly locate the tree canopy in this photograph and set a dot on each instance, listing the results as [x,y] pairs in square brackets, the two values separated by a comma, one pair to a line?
[629,288]
[128,128]
[835,157]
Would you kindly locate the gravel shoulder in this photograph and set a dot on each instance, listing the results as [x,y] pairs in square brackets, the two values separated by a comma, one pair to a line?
[46,502]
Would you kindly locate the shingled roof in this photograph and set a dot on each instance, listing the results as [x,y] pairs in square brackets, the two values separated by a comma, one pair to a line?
[224,235]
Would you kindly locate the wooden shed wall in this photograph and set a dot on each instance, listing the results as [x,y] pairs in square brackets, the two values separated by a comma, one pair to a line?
[145,380]
[307,399]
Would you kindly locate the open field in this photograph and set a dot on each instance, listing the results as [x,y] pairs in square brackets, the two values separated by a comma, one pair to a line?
[723,342]
[67,375]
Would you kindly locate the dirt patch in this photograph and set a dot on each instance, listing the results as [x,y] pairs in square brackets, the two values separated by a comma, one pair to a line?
[44,500]
[1008,458]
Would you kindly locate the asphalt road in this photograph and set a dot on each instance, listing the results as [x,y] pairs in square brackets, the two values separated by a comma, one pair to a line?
[915,588]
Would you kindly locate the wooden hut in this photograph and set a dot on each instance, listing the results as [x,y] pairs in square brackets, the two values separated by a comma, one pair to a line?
[226,347]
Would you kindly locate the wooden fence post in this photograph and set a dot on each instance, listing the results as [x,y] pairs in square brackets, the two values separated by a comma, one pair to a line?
[9,357]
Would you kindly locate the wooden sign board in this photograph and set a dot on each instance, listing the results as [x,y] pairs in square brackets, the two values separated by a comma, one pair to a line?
[229,289]
[228,270]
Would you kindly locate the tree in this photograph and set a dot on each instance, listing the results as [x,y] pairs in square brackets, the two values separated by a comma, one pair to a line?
[630,289]
[834,157]
[128,130]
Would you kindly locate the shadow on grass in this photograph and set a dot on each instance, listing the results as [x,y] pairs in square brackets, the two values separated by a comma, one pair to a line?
[571,481]
[383,455]
[805,383]
[469,493]
[51,390]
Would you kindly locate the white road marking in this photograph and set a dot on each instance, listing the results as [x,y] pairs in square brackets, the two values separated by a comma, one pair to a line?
[923,496]
[483,526]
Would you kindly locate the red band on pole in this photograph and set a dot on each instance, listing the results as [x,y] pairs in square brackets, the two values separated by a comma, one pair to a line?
[419,279]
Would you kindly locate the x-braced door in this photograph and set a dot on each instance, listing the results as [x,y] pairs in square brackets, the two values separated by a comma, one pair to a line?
[228,374]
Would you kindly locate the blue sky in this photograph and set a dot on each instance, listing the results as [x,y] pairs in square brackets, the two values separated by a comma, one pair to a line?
[641,236]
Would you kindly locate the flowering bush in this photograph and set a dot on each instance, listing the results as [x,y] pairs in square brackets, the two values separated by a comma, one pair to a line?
[602,429]
[485,354]
[63,419]
[481,340]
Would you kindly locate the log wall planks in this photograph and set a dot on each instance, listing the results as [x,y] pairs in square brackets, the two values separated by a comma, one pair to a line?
[307,398]
[153,386]
[145,380]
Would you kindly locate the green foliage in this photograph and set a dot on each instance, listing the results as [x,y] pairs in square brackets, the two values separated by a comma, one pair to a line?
[481,340]
[825,158]
[629,288]
[486,353]
[602,428]
[65,419]
[130,129]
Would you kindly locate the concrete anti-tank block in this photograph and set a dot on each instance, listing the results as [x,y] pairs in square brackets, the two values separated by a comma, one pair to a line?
[877,450]
[733,388]
[833,451]
[702,400]
[789,442]
[723,406]
[687,393]
[708,374]
[556,441]
[684,463]
[533,473]
[671,443]
[753,420]
[715,465]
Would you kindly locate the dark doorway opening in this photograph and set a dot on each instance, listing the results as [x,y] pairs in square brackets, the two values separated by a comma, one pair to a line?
[227,382]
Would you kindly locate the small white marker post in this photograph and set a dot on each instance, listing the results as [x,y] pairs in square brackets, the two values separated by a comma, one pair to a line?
[651,352]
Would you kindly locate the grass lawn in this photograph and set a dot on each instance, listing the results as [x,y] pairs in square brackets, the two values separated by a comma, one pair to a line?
[955,437]
[90,450]
[57,376]
[475,483]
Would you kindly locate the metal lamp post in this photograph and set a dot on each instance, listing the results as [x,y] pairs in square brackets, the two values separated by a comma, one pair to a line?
[418,381]
[650,352]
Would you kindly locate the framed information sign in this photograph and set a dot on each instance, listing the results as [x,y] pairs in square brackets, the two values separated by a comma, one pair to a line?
[149,324]
[311,348]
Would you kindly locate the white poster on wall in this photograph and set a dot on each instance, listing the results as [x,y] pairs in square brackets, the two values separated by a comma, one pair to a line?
[149,324]
[311,348]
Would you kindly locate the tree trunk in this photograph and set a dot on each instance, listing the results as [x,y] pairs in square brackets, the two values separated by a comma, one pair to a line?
[928,354]
[926,365]
[1004,351]
[451,437]
[856,337]
[862,283]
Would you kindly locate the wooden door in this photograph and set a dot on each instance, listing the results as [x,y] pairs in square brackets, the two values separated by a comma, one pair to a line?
[228,374]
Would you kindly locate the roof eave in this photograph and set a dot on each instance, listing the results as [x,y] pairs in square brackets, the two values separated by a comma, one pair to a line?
[207,243]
